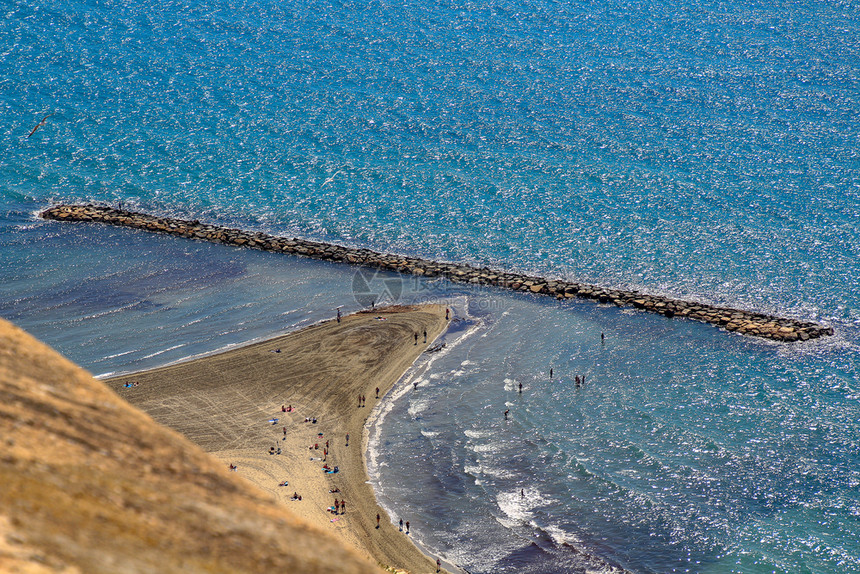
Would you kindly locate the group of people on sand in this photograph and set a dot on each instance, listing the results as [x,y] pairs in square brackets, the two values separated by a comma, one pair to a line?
[378,518]
[339,507]
[130,384]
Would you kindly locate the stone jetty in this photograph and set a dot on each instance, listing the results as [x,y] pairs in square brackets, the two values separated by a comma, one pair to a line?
[736,320]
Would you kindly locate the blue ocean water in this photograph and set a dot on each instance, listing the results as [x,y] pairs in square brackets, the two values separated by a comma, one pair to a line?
[704,150]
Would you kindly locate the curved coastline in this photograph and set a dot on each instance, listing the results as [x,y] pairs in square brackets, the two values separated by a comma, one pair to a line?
[226,402]
[740,321]
[376,419]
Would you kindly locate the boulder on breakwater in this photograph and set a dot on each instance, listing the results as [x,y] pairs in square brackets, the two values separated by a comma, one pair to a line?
[735,320]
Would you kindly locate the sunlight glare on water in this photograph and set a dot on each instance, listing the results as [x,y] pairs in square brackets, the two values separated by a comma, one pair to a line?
[707,151]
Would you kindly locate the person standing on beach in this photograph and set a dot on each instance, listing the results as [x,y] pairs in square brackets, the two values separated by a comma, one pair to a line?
[377,392]
[338,314]
[347,439]
[401,525]
[407,527]
[336,506]
[377,521]
[343,507]
[425,335]
[447,313]
[438,565]
[416,338]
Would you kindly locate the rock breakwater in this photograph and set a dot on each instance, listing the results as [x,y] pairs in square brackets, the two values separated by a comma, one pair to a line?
[736,320]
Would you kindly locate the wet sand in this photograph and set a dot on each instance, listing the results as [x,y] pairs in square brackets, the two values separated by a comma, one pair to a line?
[226,403]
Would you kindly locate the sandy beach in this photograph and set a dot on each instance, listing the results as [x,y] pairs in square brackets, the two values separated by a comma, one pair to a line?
[231,404]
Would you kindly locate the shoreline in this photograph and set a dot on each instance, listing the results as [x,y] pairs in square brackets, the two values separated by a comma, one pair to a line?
[319,371]
[743,322]
[206,354]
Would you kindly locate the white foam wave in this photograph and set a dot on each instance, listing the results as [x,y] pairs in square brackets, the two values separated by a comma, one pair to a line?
[120,354]
[511,384]
[156,353]
[484,469]
[562,537]
[418,406]
[489,447]
[473,470]
[473,433]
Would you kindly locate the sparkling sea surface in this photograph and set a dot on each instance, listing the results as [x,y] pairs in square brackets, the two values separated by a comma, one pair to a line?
[708,151]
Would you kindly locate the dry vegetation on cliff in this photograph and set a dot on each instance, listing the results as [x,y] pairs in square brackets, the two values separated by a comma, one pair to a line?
[91,484]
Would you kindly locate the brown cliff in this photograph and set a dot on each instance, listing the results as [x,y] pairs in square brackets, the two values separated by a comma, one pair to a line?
[90,484]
